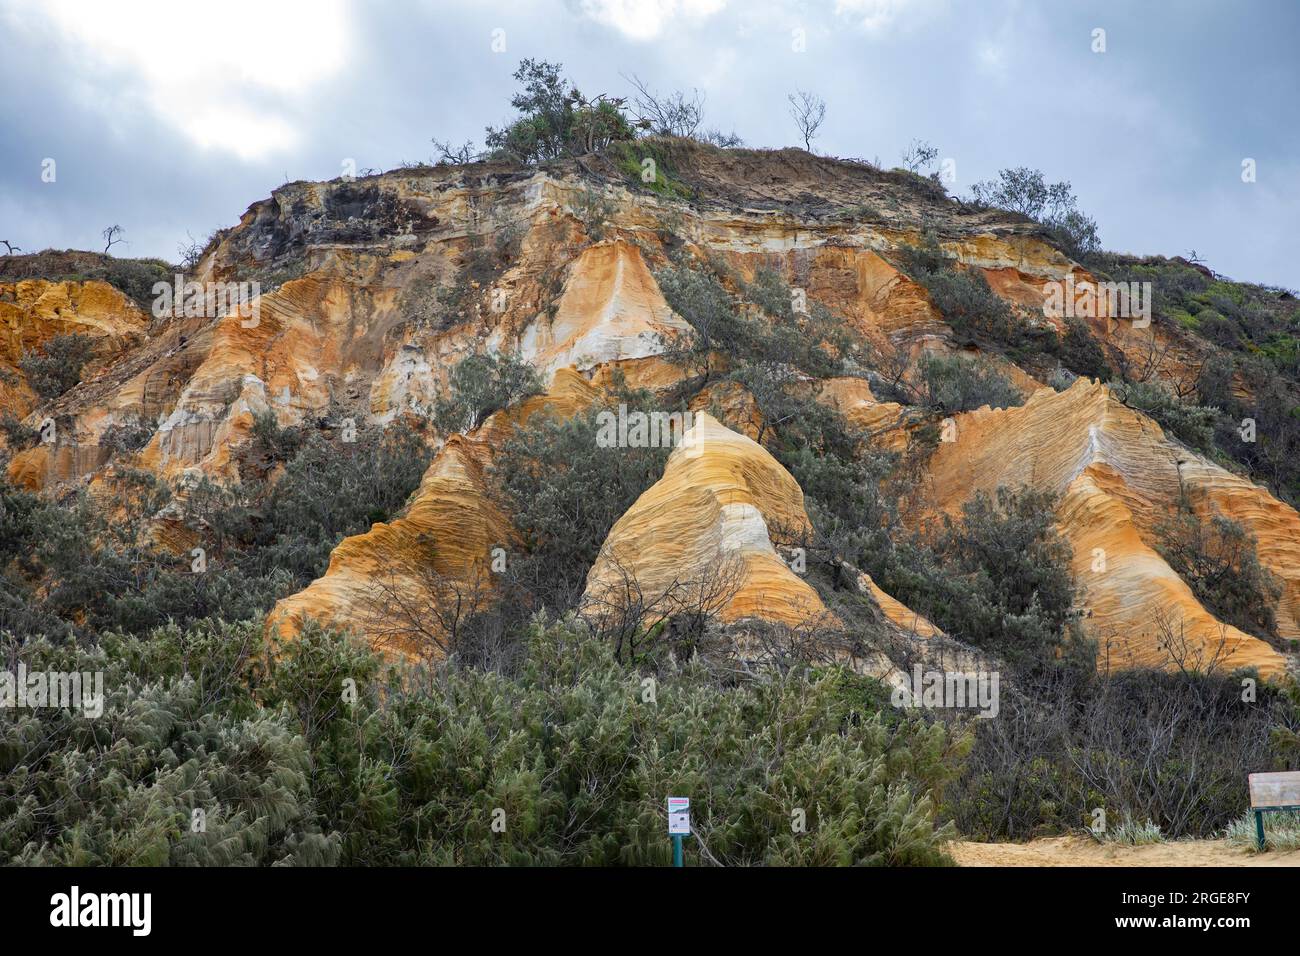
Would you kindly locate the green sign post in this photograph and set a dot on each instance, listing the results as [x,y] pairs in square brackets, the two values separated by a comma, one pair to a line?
[679,825]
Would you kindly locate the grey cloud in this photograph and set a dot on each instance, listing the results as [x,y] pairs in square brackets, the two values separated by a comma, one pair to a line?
[1151,133]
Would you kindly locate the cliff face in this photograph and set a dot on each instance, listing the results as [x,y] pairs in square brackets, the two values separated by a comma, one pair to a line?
[32,314]
[1117,477]
[371,291]
[395,583]
[709,525]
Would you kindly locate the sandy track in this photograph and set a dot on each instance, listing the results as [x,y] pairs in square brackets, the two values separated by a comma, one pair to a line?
[1083,851]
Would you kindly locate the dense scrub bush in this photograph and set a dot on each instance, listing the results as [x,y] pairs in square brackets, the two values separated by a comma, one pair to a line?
[179,737]
[126,436]
[59,368]
[564,764]
[1253,331]
[811,338]
[706,305]
[90,565]
[480,385]
[18,436]
[98,572]
[970,306]
[275,443]
[18,525]
[575,767]
[1027,191]
[330,490]
[1081,353]
[564,492]
[847,504]
[953,384]
[1191,424]
[1218,329]
[789,415]
[1273,456]
[1216,556]
[21,610]
[134,278]
[759,326]
[962,296]
[1172,748]
[998,579]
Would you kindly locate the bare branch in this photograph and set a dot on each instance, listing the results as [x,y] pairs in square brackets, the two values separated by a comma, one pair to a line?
[808,110]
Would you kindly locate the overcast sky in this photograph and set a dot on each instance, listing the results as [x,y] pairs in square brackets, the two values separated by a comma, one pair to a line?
[170,117]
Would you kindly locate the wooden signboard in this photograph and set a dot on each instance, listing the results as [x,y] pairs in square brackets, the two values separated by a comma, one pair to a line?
[1272,791]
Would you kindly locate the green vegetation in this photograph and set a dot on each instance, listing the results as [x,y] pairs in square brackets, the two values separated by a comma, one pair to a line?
[1027,192]
[632,156]
[564,494]
[1081,353]
[760,324]
[565,763]
[555,119]
[182,768]
[962,296]
[954,384]
[1217,558]
[1193,425]
[531,739]
[81,568]
[1281,832]
[480,385]
[134,278]
[1169,747]
[59,368]
[1131,833]
[1254,336]
[999,580]
[18,436]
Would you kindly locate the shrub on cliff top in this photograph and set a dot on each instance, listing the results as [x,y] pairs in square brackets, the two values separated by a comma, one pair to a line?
[1027,191]
[555,118]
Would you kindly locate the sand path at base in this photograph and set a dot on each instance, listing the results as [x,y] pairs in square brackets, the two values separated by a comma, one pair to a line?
[1083,851]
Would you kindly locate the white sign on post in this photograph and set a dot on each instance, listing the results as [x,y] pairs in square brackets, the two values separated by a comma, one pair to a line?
[679,815]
